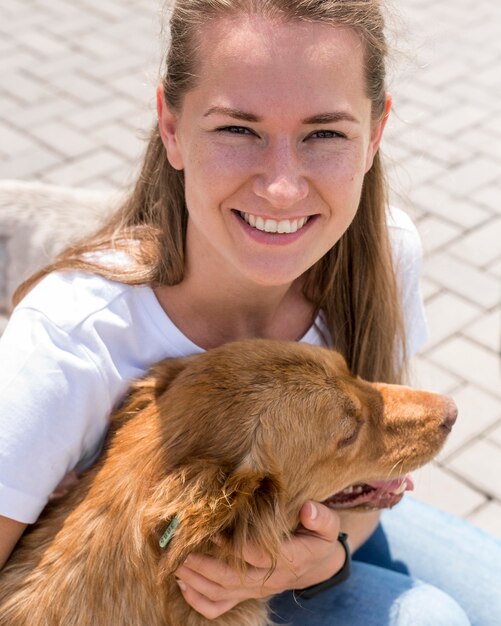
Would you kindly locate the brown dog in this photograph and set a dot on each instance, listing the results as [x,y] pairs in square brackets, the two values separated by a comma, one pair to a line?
[230,443]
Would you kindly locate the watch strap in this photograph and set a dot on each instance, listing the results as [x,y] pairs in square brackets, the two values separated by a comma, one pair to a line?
[338,578]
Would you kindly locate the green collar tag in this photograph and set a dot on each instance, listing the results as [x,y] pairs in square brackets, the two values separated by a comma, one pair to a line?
[169,533]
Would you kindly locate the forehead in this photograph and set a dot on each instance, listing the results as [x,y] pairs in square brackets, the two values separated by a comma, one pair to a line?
[257,58]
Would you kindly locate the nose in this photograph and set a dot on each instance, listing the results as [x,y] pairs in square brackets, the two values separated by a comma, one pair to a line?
[450,413]
[281,182]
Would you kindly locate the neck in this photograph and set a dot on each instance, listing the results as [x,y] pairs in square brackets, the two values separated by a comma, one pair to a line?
[211,312]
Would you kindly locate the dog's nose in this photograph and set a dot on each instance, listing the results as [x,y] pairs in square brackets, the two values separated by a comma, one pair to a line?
[451,413]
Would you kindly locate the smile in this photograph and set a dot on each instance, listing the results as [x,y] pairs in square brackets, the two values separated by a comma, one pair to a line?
[274,226]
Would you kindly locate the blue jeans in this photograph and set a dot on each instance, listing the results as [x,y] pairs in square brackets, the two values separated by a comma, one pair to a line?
[421,567]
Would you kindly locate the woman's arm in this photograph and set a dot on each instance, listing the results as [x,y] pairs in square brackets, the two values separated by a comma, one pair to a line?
[212,588]
[10,533]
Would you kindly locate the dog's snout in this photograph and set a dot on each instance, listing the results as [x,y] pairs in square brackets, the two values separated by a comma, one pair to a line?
[451,413]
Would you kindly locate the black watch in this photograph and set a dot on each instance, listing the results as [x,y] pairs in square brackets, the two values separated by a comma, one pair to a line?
[338,578]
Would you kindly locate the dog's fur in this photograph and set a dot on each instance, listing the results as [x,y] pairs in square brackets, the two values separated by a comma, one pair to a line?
[233,442]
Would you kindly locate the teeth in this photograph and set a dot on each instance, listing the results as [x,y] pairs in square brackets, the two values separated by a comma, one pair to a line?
[353,489]
[401,489]
[274,226]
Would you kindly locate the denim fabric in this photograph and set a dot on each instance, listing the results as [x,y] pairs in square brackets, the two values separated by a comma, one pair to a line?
[421,567]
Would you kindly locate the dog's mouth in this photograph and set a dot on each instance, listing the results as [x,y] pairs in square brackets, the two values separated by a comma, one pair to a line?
[376,494]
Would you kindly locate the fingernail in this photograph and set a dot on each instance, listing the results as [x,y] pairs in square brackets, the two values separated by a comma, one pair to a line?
[313,511]
[181,585]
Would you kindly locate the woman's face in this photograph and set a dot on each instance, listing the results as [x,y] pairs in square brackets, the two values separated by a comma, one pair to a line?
[274,141]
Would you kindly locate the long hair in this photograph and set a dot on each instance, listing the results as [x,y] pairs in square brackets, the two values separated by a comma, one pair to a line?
[354,284]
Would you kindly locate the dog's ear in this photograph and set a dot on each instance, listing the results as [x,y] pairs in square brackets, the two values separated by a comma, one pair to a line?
[218,513]
[145,391]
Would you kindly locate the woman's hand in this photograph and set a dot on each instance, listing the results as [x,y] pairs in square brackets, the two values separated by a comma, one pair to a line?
[309,557]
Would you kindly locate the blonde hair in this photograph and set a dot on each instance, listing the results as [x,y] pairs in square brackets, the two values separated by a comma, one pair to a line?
[353,284]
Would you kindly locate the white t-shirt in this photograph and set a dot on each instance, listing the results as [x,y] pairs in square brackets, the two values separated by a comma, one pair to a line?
[73,346]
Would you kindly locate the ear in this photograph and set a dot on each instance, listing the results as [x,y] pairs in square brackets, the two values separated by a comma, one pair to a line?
[155,383]
[377,133]
[219,514]
[168,122]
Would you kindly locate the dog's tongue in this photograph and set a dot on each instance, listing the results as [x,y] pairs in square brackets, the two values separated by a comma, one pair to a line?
[376,494]
[393,485]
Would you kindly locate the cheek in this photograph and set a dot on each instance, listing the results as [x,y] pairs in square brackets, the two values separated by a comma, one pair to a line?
[339,168]
[214,171]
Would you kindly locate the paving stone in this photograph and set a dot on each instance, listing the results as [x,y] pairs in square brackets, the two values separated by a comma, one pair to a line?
[488,517]
[38,113]
[116,66]
[480,142]
[436,233]
[426,375]
[480,464]
[470,362]
[429,289]
[3,323]
[101,113]
[121,139]
[28,164]
[97,46]
[26,88]
[494,434]
[83,169]
[441,489]
[495,268]
[470,176]
[13,141]
[139,87]
[489,196]
[447,314]
[418,169]
[64,139]
[482,245]
[13,61]
[42,44]
[486,331]
[81,89]
[62,66]
[455,120]
[462,278]
[478,411]
[440,203]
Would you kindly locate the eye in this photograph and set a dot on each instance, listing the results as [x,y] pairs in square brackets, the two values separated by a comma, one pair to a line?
[347,441]
[326,134]
[235,130]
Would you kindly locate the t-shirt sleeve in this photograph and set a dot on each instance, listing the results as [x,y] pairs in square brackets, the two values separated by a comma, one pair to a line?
[408,254]
[54,407]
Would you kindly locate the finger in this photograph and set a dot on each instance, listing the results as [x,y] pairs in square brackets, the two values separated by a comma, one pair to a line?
[212,569]
[257,557]
[320,520]
[217,580]
[209,609]
[208,588]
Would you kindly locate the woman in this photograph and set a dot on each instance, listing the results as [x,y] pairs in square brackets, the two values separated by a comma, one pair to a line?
[260,212]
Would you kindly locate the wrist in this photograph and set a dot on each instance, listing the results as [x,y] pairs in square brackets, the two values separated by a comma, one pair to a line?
[339,577]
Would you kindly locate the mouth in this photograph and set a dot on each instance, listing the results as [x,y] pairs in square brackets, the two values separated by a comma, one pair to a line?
[376,494]
[281,227]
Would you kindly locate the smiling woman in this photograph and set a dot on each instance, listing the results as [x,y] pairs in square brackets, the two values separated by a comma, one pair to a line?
[260,212]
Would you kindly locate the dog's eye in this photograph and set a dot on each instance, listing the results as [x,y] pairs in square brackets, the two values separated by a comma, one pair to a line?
[346,441]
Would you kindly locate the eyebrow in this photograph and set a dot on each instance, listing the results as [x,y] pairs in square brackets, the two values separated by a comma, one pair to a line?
[321,118]
[235,113]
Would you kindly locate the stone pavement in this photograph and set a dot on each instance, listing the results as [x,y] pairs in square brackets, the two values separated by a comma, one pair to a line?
[77,94]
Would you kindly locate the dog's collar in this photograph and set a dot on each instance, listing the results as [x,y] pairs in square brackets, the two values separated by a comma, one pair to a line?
[169,533]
